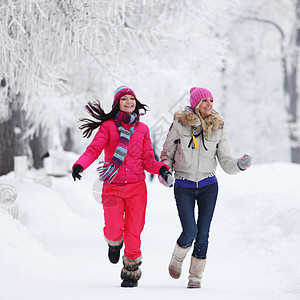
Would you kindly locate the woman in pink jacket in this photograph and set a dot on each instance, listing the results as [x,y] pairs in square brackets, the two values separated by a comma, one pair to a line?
[127,153]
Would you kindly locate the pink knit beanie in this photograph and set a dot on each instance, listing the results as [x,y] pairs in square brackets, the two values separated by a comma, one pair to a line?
[197,94]
[121,91]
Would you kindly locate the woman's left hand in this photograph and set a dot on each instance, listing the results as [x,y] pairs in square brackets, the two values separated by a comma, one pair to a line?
[244,162]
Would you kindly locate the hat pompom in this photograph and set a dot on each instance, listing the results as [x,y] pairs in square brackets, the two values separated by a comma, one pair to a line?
[192,89]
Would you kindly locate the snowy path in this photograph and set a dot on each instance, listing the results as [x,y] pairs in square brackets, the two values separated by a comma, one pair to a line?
[252,252]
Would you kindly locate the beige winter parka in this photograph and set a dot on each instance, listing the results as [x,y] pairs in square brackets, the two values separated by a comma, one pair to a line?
[180,153]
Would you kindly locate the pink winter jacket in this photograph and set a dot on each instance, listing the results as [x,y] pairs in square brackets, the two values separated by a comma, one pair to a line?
[139,155]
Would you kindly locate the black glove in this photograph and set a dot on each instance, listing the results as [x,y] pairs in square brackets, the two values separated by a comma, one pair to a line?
[165,177]
[76,170]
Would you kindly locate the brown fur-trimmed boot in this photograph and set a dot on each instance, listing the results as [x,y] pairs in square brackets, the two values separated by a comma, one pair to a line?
[131,272]
[177,258]
[196,272]
[114,248]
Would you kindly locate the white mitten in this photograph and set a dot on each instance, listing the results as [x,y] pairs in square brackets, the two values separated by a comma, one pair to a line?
[244,162]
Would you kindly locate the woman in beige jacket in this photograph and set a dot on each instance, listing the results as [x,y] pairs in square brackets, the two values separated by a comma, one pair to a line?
[195,140]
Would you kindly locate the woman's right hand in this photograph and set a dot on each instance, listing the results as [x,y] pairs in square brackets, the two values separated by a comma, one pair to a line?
[76,170]
[165,177]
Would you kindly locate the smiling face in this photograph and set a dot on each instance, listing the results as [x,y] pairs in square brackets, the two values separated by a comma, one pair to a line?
[127,104]
[205,107]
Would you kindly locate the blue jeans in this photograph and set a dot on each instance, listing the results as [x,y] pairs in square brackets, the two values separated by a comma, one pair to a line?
[206,198]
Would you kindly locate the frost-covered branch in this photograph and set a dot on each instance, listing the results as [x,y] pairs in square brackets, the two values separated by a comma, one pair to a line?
[45,41]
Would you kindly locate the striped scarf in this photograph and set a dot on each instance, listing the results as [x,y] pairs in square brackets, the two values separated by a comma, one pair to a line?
[108,170]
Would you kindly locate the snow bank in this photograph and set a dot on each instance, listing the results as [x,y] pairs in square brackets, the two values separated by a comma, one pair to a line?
[262,208]
[17,244]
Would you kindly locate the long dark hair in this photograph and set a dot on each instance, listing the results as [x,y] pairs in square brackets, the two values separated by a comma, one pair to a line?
[96,111]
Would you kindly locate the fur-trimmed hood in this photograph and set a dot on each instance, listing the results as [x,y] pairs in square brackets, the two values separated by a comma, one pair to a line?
[187,117]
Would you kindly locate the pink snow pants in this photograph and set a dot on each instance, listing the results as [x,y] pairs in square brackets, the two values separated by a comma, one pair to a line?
[124,208]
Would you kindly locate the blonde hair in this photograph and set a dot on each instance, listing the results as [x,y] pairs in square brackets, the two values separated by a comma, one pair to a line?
[213,121]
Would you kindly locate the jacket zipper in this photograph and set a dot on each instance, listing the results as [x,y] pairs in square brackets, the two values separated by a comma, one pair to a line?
[197,183]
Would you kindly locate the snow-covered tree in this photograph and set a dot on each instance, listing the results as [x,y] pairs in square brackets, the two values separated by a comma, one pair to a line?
[57,55]
[255,78]
[292,85]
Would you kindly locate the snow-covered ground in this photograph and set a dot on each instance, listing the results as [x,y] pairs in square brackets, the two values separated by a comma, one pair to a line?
[56,249]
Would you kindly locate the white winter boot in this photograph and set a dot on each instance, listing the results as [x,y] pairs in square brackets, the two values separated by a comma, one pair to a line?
[177,258]
[196,272]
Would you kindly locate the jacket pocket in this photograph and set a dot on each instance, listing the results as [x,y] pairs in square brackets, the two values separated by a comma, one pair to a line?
[134,165]
[183,155]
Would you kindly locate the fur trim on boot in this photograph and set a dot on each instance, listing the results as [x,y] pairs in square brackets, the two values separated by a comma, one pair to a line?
[177,258]
[114,248]
[131,272]
[118,242]
[196,272]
